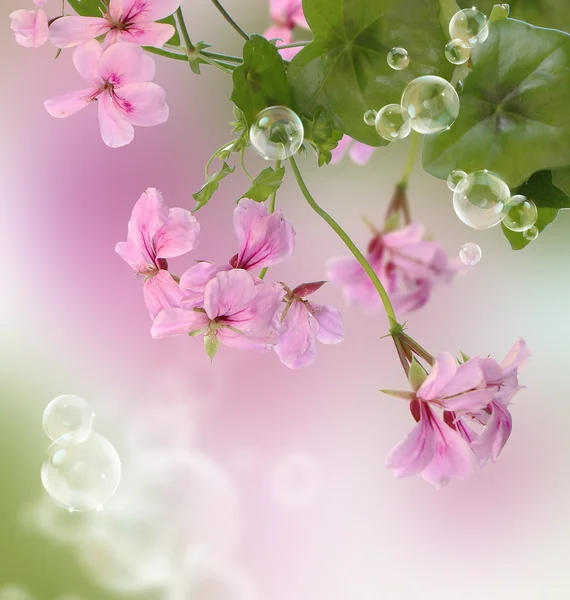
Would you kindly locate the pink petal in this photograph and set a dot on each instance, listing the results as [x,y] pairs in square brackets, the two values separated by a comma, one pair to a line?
[132,256]
[126,63]
[147,34]
[496,434]
[467,377]
[72,31]
[413,295]
[161,291]
[407,236]
[241,341]
[142,104]
[361,153]
[289,53]
[469,401]
[264,239]
[517,356]
[329,323]
[441,375]
[229,293]
[116,131]
[279,10]
[195,279]
[150,10]
[177,321]
[281,34]
[178,235]
[30,27]
[86,60]
[149,216]
[295,339]
[68,104]
[340,150]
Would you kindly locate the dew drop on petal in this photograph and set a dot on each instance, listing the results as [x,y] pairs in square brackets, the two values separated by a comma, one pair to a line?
[455,179]
[277,133]
[457,52]
[68,419]
[431,103]
[82,476]
[296,481]
[521,215]
[469,25]
[392,124]
[481,201]
[531,234]
[398,58]
[470,254]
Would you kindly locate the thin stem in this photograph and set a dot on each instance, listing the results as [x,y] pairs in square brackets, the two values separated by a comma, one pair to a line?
[417,349]
[184,30]
[349,243]
[294,45]
[242,163]
[222,66]
[228,18]
[225,57]
[415,145]
[166,53]
[270,210]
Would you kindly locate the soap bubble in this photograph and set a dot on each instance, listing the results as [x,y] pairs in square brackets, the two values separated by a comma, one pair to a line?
[82,476]
[68,420]
[296,481]
[456,179]
[392,124]
[531,234]
[521,215]
[470,254]
[431,103]
[469,25]
[482,201]
[277,133]
[398,58]
[457,52]
[370,117]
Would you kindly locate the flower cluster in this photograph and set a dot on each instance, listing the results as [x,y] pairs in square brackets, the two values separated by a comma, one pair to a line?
[229,303]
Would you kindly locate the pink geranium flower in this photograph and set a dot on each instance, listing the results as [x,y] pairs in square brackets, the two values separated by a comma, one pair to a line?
[125,20]
[237,311]
[408,265]
[286,15]
[156,234]
[359,153]
[298,322]
[120,82]
[30,27]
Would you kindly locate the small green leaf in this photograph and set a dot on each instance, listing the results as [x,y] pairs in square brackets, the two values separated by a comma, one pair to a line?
[321,135]
[261,81]
[417,375]
[88,8]
[402,395]
[464,357]
[265,184]
[392,223]
[175,39]
[211,186]
[561,179]
[211,345]
[499,12]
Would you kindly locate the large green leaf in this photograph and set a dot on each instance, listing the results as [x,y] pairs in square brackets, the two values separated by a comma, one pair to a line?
[344,69]
[514,118]
[548,198]
[561,179]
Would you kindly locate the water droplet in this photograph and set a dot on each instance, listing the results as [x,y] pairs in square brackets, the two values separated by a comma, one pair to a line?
[470,254]
[370,117]
[455,179]
[392,124]
[482,201]
[457,52]
[82,476]
[431,103]
[531,234]
[68,420]
[469,25]
[296,481]
[277,133]
[522,214]
[459,86]
[398,58]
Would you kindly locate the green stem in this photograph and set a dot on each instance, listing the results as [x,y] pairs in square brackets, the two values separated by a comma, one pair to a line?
[228,18]
[184,30]
[415,145]
[219,65]
[166,53]
[270,210]
[294,45]
[242,163]
[225,57]
[349,243]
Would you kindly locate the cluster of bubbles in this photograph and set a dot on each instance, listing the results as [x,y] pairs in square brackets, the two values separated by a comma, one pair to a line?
[83,470]
[468,28]
[277,133]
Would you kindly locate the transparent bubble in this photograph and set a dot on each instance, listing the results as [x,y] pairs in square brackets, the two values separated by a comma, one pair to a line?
[296,481]
[469,25]
[82,476]
[398,58]
[14,592]
[277,133]
[531,234]
[457,52]
[392,124]
[482,201]
[459,86]
[68,420]
[370,117]
[431,103]
[456,179]
[522,214]
[470,254]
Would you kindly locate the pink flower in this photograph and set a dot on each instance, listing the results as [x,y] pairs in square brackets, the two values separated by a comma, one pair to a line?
[120,81]
[298,322]
[408,265]
[156,234]
[286,15]
[359,153]
[125,20]
[237,311]
[30,27]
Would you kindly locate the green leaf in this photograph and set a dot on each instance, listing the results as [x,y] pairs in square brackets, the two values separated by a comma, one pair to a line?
[344,69]
[499,12]
[211,186]
[211,345]
[321,135]
[399,394]
[261,81]
[417,375]
[514,118]
[265,184]
[88,8]
[561,179]
[548,198]
[175,39]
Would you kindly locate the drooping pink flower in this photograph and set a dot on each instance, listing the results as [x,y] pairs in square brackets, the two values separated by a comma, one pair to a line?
[120,81]
[131,21]
[298,322]
[286,15]
[155,234]
[237,311]
[30,27]
[359,153]
[408,266]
